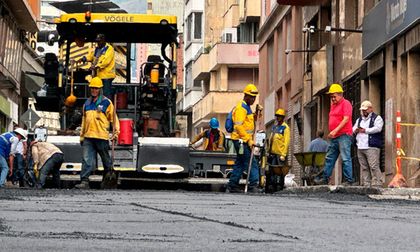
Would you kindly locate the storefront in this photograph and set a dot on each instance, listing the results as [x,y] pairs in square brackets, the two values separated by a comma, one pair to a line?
[393,74]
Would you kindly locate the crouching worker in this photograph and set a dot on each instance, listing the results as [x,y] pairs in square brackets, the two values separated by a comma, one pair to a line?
[214,138]
[47,159]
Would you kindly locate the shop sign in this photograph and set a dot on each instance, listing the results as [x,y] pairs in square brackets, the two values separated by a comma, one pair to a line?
[386,21]
[4,106]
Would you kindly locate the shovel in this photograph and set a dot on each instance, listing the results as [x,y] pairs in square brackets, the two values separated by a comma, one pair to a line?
[110,179]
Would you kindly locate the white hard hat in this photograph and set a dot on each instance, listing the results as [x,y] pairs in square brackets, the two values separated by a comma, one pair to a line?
[22,132]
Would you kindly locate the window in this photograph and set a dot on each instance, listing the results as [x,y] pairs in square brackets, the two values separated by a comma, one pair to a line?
[197,25]
[247,32]
[289,43]
[280,50]
[188,76]
[270,62]
[194,26]
[189,28]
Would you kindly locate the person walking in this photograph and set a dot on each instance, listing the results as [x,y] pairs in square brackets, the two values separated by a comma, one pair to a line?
[279,140]
[214,138]
[340,126]
[8,148]
[98,115]
[47,159]
[103,63]
[319,144]
[368,130]
[244,124]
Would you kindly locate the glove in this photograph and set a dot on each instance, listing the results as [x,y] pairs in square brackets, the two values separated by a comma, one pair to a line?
[259,107]
[250,143]
[115,136]
[282,158]
[35,167]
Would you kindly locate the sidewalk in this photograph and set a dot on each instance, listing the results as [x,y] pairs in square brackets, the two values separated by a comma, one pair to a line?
[374,193]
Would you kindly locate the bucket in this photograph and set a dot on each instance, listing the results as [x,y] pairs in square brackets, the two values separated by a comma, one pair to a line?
[126,132]
[121,100]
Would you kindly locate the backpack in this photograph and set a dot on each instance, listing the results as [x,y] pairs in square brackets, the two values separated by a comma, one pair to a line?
[229,122]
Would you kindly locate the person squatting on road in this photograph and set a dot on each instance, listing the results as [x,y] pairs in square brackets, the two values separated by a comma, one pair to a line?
[243,131]
[214,138]
[8,145]
[340,126]
[279,140]
[47,159]
[368,130]
[103,63]
[98,115]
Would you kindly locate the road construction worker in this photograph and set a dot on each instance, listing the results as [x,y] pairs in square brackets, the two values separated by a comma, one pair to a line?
[47,159]
[244,124]
[103,63]
[98,115]
[214,138]
[279,140]
[8,148]
[340,126]
[19,163]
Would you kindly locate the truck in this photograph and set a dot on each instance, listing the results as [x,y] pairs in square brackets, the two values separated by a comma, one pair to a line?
[148,146]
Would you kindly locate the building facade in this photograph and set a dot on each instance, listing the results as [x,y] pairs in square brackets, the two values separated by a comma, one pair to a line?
[17,17]
[281,71]
[227,61]
[368,46]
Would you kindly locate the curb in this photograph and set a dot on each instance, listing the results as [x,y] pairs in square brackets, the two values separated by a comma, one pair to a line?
[360,190]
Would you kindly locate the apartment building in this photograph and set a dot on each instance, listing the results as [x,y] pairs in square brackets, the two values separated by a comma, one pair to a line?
[16,18]
[228,58]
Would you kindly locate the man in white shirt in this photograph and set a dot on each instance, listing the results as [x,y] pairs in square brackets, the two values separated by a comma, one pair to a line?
[368,131]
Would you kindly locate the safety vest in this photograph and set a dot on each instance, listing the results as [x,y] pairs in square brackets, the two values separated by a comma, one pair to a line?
[280,139]
[97,118]
[243,120]
[6,144]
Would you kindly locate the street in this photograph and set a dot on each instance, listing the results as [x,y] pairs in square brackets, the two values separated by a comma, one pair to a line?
[143,220]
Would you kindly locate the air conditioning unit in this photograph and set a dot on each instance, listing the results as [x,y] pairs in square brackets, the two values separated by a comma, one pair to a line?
[230,35]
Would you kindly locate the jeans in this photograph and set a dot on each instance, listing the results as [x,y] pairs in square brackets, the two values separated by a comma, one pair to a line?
[241,165]
[4,171]
[107,89]
[53,166]
[92,147]
[19,168]
[339,145]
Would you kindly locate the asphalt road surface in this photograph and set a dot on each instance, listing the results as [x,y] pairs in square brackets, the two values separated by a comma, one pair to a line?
[141,220]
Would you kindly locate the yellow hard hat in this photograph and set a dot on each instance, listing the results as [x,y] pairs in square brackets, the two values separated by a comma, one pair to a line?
[280,112]
[96,82]
[251,90]
[335,88]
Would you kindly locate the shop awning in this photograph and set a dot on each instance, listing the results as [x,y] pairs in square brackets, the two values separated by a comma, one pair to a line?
[4,106]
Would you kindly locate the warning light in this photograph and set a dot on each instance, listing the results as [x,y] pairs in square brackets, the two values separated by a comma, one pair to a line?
[88,16]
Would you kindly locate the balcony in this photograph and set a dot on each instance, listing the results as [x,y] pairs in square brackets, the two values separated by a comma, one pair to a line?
[231,17]
[233,54]
[24,14]
[250,10]
[200,68]
[215,102]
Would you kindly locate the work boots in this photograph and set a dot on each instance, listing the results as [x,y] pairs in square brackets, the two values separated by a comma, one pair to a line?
[83,185]
[233,189]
